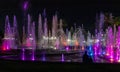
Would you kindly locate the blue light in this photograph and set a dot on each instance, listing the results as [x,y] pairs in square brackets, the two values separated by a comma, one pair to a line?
[103,53]
[90,48]
[91,54]
[43,57]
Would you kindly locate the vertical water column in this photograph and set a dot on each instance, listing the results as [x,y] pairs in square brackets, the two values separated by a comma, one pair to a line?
[98,48]
[96,43]
[40,32]
[29,25]
[118,45]
[114,40]
[68,41]
[110,43]
[45,34]
[33,41]
[101,23]
[75,39]
[50,40]
[57,43]
[107,43]
[7,41]
[71,37]
[54,25]
[81,39]
[45,30]
[100,43]
[88,39]
[54,29]
[89,44]
[63,37]
[23,44]
[15,33]
[28,41]
[53,33]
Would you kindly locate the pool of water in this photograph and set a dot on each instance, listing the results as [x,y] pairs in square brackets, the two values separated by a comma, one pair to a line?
[54,58]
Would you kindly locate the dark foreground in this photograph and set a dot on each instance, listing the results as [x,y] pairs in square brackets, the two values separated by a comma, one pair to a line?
[28,66]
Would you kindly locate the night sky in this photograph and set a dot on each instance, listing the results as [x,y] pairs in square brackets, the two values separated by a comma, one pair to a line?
[72,11]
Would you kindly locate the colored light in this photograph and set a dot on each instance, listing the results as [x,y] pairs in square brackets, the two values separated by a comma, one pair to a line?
[91,54]
[119,60]
[67,48]
[23,54]
[76,43]
[55,48]
[111,59]
[107,54]
[95,53]
[7,47]
[64,43]
[43,57]
[99,53]
[23,58]
[25,5]
[48,38]
[82,47]
[63,58]
[4,49]
[103,53]
[33,58]
[111,56]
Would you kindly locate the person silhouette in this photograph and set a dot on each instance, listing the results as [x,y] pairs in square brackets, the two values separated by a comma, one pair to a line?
[86,58]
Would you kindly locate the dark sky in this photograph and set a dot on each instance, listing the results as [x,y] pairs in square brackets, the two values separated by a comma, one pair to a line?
[79,11]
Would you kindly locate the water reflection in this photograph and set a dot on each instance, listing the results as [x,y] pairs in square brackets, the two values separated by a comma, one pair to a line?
[55,58]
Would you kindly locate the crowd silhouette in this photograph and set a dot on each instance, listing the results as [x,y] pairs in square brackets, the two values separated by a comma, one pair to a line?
[86,58]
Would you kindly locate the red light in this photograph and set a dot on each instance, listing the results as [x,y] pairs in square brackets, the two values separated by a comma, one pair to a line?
[64,43]
[3,48]
[76,43]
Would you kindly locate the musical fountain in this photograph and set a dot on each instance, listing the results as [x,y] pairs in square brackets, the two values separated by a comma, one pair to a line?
[48,42]
[55,44]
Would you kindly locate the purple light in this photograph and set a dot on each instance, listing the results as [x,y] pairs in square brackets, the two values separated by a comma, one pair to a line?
[95,49]
[23,58]
[33,55]
[23,54]
[43,57]
[25,5]
[33,58]
[67,48]
[63,58]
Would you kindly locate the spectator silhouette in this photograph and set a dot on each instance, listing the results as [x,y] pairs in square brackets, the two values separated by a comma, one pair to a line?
[86,58]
